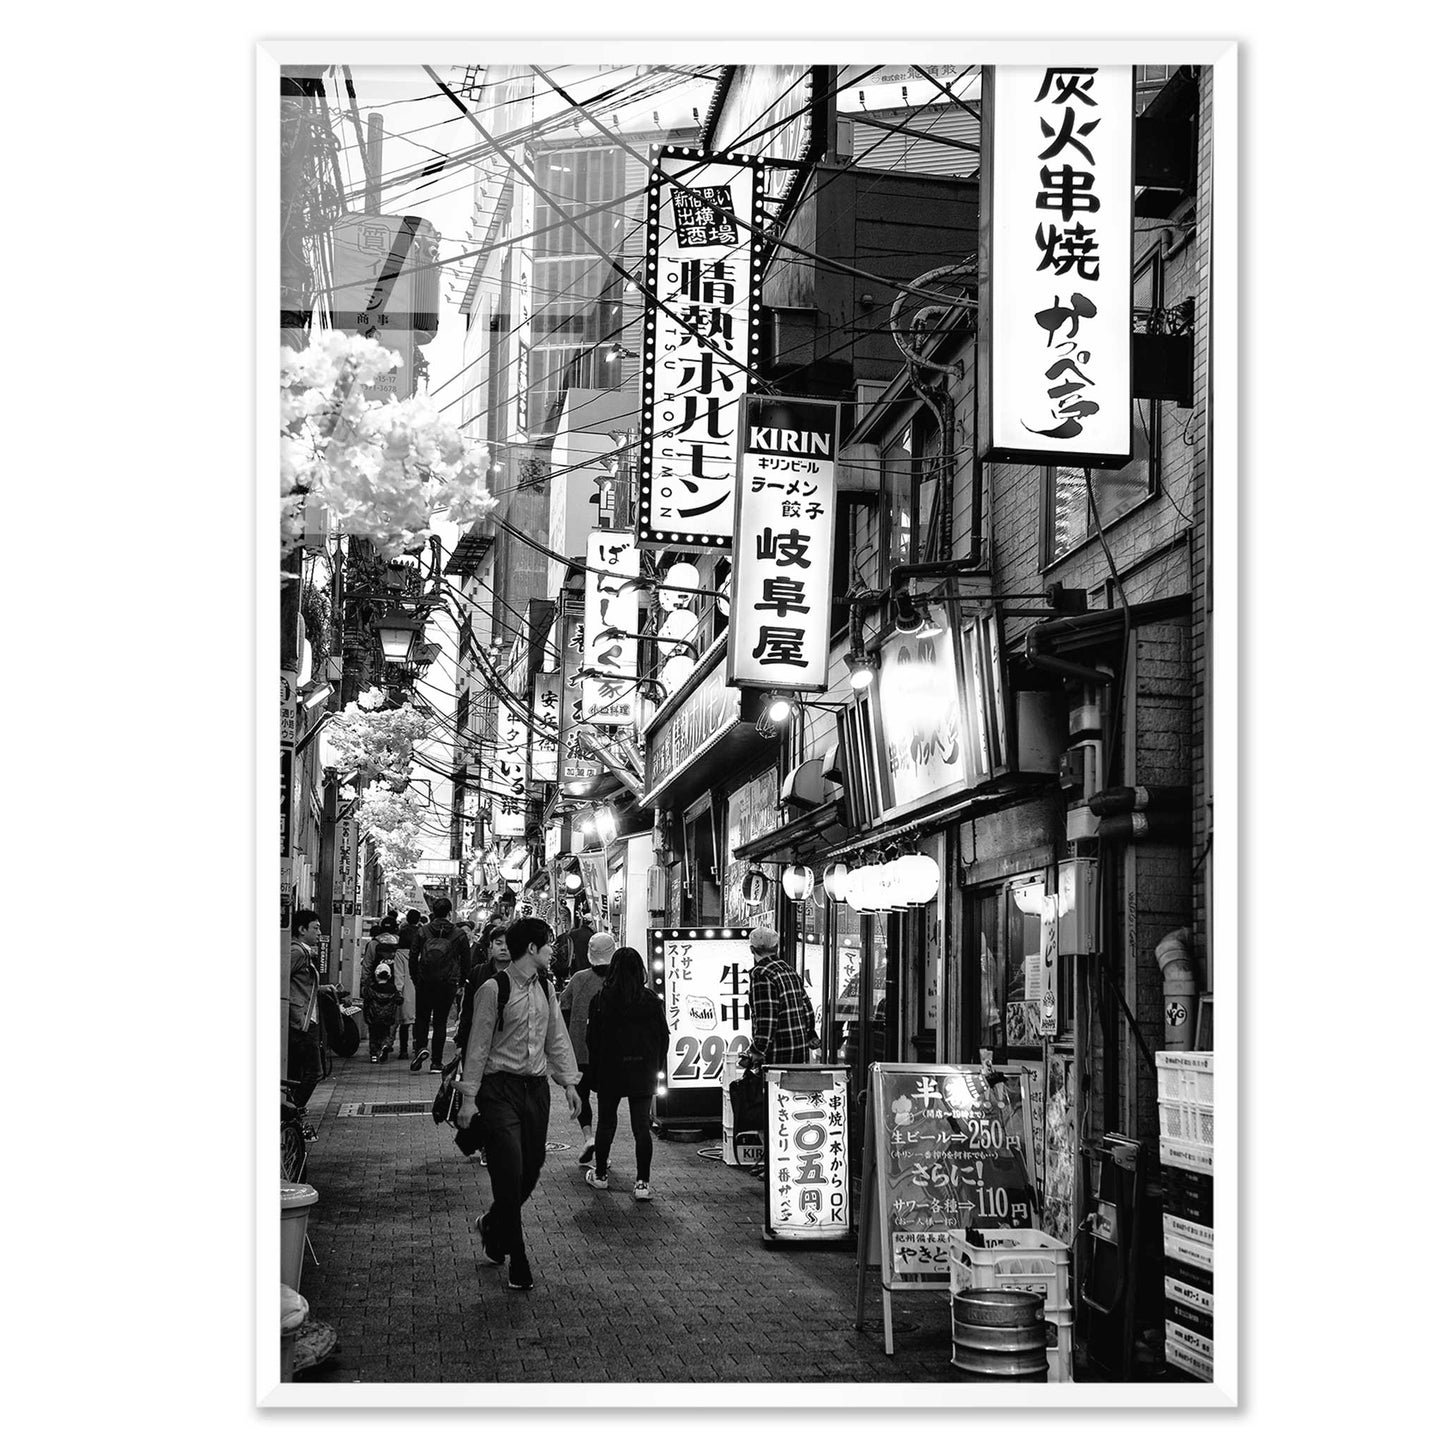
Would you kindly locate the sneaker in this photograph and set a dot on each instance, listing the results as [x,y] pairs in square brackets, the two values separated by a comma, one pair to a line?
[642,1190]
[421,1058]
[490,1256]
[519,1272]
[373,1058]
[596,1180]
[385,1052]
[435,1068]
[585,1157]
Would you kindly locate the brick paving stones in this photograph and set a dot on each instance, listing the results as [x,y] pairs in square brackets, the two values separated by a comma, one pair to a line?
[680,1289]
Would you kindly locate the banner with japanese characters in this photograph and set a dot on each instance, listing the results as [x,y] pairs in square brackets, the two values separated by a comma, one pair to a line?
[787,506]
[546,710]
[807,1154]
[703,976]
[573,765]
[704,279]
[1056,264]
[343,869]
[610,617]
[509,793]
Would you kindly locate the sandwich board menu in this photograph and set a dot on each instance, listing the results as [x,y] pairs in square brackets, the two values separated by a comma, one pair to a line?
[945,1146]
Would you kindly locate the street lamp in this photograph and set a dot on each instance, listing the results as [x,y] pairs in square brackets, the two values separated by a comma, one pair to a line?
[398,632]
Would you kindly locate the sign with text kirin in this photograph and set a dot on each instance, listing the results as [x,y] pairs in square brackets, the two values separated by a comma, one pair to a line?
[782,583]
[703,284]
[573,765]
[1056,264]
[609,612]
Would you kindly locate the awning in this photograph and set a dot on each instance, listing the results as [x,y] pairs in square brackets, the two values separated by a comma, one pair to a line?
[806,837]
[1086,633]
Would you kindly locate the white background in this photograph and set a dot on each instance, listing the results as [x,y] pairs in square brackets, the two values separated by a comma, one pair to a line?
[132,571]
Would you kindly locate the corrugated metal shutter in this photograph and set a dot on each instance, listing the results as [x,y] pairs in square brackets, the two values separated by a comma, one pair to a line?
[877,149]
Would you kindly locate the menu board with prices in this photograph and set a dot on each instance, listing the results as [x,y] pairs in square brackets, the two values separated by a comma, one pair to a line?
[946,1146]
[806,1144]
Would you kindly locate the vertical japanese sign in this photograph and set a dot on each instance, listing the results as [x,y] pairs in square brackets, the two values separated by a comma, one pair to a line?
[807,1144]
[546,710]
[509,791]
[524,219]
[1049,982]
[704,279]
[1056,264]
[610,612]
[573,765]
[787,504]
[288,761]
[343,869]
[703,976]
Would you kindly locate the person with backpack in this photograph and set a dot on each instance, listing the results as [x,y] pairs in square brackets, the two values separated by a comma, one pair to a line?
[381,998]
[576,1004]
[440,956]
[627,1041]
[516,1036]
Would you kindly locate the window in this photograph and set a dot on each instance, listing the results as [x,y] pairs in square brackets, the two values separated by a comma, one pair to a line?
[1067,520]
[1005,941]
[911,493]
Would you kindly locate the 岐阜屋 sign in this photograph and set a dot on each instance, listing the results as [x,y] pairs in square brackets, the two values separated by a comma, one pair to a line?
[1056,264]
[783,544]
[704,284]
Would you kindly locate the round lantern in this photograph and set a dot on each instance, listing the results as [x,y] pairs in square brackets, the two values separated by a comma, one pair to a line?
[920,877]
[835,875]
[797,882]
[755,888]
[675,672]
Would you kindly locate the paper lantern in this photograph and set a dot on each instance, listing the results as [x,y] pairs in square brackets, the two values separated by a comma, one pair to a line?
[835,875]
[797,881]
[920,877]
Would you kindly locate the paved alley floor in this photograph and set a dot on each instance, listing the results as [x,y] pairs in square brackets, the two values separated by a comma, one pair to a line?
[680,1289]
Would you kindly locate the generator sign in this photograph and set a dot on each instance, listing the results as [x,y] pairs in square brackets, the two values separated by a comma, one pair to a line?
[704,282]
[702,976]
[807,1153]
[1056,266]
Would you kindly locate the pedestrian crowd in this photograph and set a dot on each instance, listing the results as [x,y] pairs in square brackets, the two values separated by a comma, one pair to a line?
[587,1019]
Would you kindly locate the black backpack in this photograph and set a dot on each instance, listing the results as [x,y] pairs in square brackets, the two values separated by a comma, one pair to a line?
[433,961]
[504,992]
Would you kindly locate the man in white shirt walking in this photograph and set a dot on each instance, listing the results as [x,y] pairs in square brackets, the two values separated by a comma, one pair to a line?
[504,1084]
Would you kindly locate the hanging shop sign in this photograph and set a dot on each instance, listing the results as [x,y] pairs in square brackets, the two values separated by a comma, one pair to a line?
[938,709]
[509,796]
[343,869]
[525,221]
[807,1155]
[711,709]
[288,709]
[573,765]
[546,710]
[1056,264]
[782,593]
[610,611]
[703,977]
[704,284]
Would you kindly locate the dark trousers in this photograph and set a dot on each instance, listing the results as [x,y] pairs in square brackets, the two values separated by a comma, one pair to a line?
[639,1108]
[433,1008]
[513,1109]
[584,1094]
[303,1062]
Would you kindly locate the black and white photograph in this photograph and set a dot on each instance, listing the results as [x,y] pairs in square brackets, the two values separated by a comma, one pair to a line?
[750,770]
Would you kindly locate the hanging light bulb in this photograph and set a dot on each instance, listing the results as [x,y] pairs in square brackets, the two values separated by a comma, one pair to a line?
[797,882]
[835,879]
[860,670]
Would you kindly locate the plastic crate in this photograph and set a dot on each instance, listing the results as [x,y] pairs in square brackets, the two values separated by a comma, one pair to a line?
[1061,1353]
[1026,1259]
[1186,1078]
[1186,1123]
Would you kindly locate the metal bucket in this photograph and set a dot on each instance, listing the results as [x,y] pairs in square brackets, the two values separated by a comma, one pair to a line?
[1000,1335]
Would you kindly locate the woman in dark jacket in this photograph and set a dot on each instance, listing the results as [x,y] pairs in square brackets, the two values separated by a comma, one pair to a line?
[627,1045]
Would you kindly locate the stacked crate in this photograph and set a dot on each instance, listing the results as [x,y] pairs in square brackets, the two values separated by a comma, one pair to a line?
[1186,1158]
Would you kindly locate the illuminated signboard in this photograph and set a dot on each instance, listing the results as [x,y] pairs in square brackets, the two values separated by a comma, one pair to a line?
[703,977]
[807,1153]
[939,710]
[610,613]
[546,709]
[703,280]
[782,590]
[1056,264]
[574,765]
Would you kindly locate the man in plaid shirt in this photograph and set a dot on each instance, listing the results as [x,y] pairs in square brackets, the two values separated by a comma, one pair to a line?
[785,1029]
